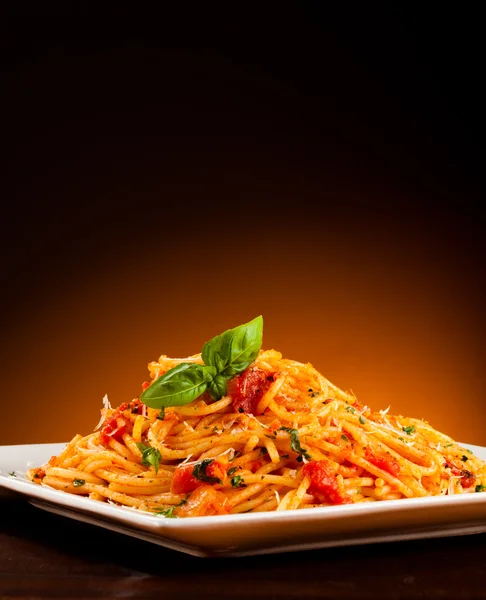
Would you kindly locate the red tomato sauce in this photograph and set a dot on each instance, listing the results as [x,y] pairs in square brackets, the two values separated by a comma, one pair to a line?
[117,424]
[205,500]
[383,462]
[248,388]
[468,479]
[323,484]
[184,482]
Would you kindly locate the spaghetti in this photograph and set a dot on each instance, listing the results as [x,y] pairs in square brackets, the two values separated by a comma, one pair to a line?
[283,437]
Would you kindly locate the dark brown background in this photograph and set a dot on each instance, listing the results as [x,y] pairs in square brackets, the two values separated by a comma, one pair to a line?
[162,184]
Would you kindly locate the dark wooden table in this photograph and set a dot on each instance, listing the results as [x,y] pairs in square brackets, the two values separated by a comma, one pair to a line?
[46,556]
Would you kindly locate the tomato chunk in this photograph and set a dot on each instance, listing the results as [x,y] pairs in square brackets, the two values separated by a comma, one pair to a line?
[384,463]
[205,500]
[114,427]
[248,388]
[184,482]
[323,484]
[468,479]
[117,424]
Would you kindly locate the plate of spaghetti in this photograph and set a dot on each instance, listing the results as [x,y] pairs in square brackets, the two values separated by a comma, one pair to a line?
[237,450]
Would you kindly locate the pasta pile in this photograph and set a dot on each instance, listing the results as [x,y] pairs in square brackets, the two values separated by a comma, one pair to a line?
[283,437]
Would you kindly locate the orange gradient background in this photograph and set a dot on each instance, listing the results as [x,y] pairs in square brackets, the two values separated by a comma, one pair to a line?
[382,324]
[213,195]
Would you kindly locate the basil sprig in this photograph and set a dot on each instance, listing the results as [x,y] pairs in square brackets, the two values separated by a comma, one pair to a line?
[224,356]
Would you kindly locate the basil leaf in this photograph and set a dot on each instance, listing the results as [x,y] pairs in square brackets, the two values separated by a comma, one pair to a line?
[200,471]
[178,386]
[217,387]
[150,456]
[234,350]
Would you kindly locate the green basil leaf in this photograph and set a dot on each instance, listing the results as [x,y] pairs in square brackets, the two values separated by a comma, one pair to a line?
[217,387]
[234,350]
[178,386]
[150,456]
[200,471]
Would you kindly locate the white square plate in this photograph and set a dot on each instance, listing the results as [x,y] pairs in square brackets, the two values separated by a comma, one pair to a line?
[256,533]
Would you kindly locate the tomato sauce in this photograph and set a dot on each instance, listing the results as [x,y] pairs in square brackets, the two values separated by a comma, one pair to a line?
[323,484]
[184,482]
[384,463]
[468,479]
[117,424]
[248,388]
[203,501]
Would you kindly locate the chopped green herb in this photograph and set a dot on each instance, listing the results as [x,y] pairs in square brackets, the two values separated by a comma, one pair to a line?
[464,458]
[150,456]
[401,439]
[295,443]
[232,471]
[358,491]
[238,481]
[409,430]
[12,474]
[362,420]
[448,445]
[169,512]
[161,414]
[78,482]
[350,409]
[215,428]
[469,451]
[480,488]
[344,437]
[200,472]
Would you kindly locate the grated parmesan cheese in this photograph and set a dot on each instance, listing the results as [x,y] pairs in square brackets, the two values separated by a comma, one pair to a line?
[104,411]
